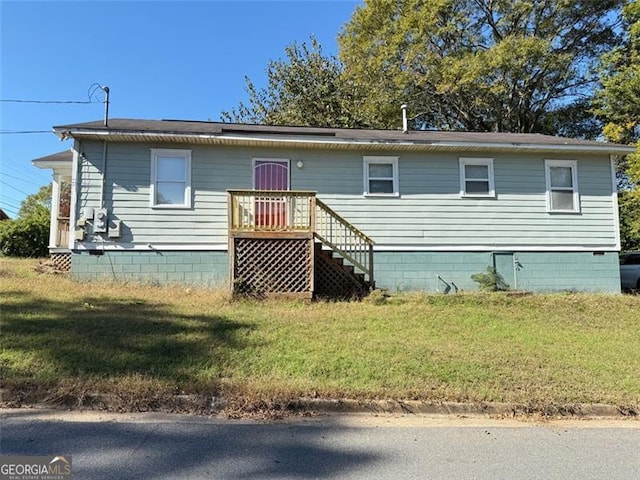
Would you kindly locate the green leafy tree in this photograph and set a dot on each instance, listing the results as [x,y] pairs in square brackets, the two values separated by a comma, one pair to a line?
[618,105]
[28,235]
[37,202]
[481,65]
[629,202]
[304,89]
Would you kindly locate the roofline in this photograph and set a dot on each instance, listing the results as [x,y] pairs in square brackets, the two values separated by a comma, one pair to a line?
[309,142]
[44,164]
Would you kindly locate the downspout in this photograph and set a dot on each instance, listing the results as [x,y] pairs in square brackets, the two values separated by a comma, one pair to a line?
[104,173]
[105,89]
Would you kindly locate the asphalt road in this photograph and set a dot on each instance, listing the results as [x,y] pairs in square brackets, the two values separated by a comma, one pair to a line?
[146,446]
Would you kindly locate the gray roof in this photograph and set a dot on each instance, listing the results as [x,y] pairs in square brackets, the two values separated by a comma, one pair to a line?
[121,129]
[65,156]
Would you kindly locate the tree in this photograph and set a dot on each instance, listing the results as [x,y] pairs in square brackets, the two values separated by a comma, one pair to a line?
[36,202]
[629,202]
[305,89]
[40,201]
[28,235]
[480,65]
[618,105]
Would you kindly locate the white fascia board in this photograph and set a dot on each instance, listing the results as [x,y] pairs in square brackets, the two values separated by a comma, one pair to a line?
[57,166]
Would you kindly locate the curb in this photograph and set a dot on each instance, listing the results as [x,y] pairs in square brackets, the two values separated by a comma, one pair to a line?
[207,404]
[459,408]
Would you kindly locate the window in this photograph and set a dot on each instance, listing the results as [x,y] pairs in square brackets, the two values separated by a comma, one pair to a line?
[562,185]
[476,177]
[170,178]
[381,176]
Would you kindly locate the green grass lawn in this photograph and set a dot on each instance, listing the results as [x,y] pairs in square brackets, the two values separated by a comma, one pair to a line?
[61,336]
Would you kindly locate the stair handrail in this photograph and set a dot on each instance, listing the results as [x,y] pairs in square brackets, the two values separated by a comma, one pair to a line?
[361,253]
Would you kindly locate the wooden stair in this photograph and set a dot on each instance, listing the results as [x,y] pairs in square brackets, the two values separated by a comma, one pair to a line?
[335,279]
[290,242]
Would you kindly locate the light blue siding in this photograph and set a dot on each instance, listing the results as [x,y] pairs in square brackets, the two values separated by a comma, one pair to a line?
[428,214]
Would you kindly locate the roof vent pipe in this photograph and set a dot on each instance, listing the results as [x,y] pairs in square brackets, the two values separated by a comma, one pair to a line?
[105,89]
[405,123]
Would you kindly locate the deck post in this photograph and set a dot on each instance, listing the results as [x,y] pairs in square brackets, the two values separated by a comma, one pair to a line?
[312,243]
[372,282]
[230,240]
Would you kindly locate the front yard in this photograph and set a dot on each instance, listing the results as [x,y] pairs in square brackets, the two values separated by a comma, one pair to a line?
[70,338]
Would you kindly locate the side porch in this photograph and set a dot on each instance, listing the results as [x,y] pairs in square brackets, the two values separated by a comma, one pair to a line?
[284,242]
[60,240]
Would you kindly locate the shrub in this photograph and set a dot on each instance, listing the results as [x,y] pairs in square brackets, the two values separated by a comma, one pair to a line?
[25,237]
[490,281]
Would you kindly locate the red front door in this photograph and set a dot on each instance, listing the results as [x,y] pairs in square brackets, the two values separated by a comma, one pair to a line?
[271,212]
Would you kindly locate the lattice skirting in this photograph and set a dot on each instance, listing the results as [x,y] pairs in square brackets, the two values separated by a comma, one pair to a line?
[273,266]
[62,261]
[333,281]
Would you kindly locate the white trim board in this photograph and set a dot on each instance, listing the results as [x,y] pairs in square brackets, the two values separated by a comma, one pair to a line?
[161,247]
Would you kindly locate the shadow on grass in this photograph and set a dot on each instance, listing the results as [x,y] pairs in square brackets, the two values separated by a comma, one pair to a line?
[48,341]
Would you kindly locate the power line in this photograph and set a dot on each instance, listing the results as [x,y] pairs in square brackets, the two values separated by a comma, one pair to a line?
[22,168]
[7,199]
[16,189]
[20,132]
[10,208]
[4,174]
[91,98]
[82,102]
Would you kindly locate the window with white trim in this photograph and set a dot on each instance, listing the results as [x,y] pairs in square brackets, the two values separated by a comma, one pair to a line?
[476,177]
[170,178]
[562,185]
[381,176]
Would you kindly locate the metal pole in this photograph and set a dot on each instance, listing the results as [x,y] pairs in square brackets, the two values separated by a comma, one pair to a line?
[105,89]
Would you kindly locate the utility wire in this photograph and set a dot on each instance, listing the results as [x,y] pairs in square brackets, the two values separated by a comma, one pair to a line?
[12,202]
[20,132]
[11,186]
[8,200]
[82,102]
[10,210]
[9,206]
[20,179]
[91,95]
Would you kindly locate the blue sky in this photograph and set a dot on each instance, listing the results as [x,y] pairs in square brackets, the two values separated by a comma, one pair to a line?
[161,59]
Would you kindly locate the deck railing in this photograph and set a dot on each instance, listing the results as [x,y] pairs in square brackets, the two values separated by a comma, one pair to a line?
[343,238]
[281,211]
[269,210]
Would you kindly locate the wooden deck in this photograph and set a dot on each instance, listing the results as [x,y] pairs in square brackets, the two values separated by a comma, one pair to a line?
[272,243]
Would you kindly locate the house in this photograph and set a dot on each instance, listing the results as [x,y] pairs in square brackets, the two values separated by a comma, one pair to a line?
[323,210]
[3,215]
